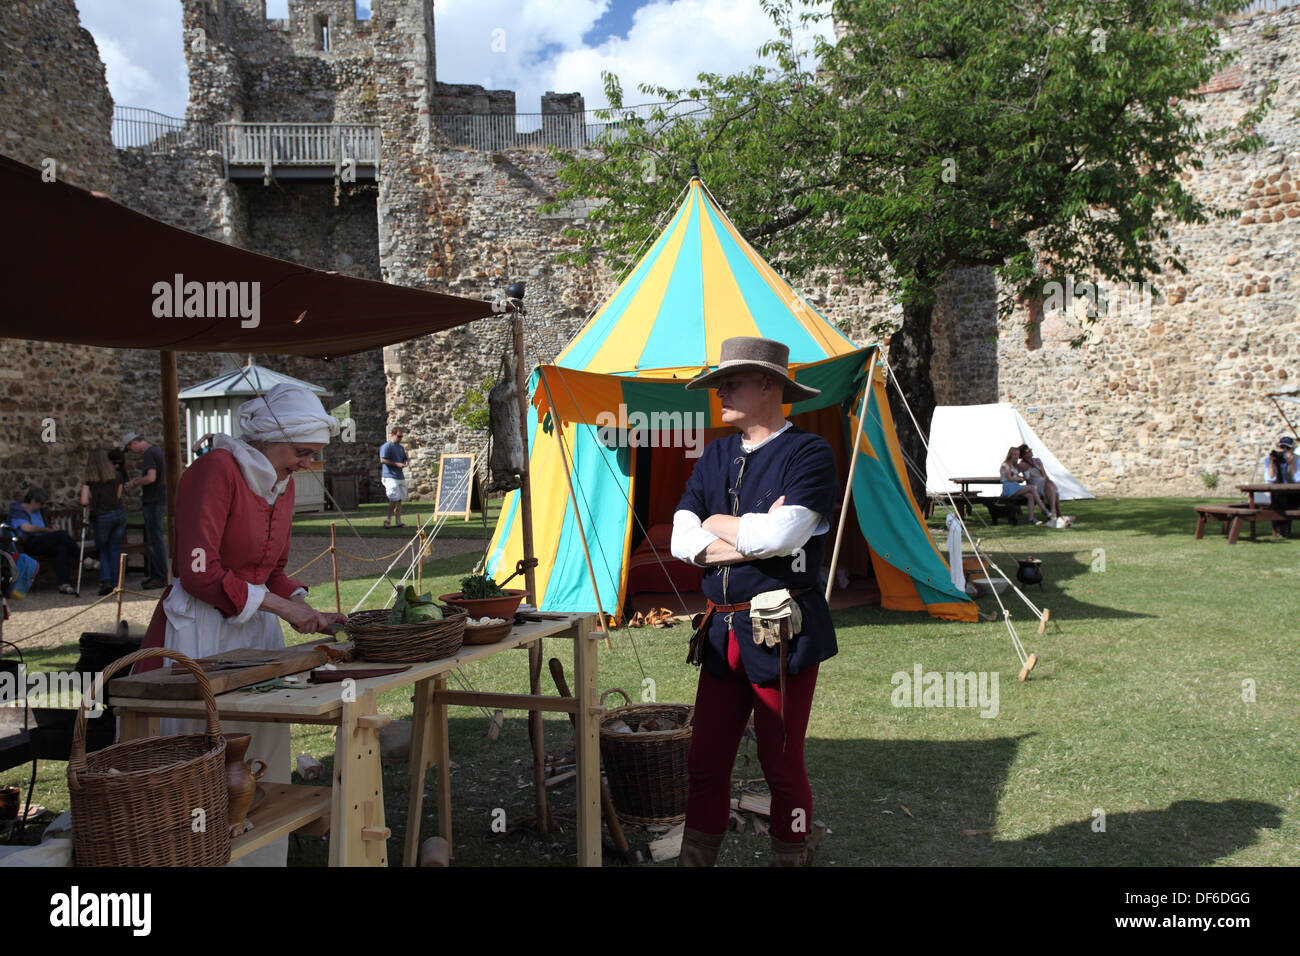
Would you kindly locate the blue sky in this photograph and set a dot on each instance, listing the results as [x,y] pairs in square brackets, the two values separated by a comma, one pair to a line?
[529,46]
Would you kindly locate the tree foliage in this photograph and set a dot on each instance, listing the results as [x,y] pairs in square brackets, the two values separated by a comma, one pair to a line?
[1040,138]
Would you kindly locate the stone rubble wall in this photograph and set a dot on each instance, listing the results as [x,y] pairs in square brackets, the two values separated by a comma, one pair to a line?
[1154,398]
[1159,397]
[56,400]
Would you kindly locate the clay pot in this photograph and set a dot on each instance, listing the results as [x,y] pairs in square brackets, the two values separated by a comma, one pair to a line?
[241,780]
[504,606]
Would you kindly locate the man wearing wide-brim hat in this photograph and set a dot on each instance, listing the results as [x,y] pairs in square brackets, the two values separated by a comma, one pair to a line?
[755,513]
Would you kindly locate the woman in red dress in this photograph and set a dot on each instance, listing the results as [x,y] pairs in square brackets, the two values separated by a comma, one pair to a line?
[234,515]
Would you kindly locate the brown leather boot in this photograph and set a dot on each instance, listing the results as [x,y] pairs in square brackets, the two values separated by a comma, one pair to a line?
[798,854]
[699,849]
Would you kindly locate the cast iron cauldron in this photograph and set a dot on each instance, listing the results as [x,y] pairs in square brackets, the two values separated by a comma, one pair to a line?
[1030,572]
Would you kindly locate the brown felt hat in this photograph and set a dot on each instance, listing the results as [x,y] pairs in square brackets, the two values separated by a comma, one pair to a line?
[748,354]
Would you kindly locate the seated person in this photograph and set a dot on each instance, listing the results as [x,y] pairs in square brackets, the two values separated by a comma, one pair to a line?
[39,541]
[1013,485]
[1036,475]
[1283,467]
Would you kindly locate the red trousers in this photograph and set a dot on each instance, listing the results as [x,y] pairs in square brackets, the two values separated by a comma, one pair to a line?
[722,709]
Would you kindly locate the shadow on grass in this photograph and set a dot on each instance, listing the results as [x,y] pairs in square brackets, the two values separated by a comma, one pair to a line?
[952,789]
[1058,567]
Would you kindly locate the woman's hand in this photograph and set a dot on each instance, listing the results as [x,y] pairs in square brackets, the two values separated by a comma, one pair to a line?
[303,618]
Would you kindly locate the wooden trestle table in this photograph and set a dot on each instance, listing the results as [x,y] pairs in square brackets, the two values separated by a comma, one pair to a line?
[353,807]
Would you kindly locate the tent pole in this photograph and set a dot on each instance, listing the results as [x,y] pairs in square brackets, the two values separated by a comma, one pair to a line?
[535,736]
[171,447]
[577,517]
[848,491]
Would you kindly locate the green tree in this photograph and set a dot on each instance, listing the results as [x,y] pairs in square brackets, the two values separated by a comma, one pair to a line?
[1041,138]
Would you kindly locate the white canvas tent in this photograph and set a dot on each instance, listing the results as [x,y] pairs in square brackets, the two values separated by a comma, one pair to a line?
[971,440]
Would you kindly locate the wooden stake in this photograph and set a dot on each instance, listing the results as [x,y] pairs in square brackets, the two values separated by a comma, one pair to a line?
[171,409]
[848,491]
[121,584]
[419,563]
[334,560]
[1042,621]
[535,737]
[577,517]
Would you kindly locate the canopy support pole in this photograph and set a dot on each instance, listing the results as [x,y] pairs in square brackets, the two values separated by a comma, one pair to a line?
[171,405]
[848,491]
[577,516]
[535,736]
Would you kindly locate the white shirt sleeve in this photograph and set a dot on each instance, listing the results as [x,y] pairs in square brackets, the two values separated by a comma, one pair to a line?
[689,537]
[256,592]
[783,531]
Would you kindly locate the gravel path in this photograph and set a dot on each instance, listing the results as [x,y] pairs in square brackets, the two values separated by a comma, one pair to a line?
[47,606]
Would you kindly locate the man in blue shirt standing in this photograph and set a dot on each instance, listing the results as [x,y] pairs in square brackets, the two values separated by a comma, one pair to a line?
[393,458]
[755,513]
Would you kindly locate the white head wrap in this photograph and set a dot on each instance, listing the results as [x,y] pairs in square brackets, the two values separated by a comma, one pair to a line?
[288,413]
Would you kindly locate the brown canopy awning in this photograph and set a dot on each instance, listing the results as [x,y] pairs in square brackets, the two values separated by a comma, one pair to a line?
[82,268]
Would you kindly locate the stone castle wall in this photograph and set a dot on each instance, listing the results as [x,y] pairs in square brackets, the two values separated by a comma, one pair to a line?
[56,400]
[1161,396]
[1147,405]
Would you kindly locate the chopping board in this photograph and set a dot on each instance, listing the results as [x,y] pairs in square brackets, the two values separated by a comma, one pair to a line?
[161,684]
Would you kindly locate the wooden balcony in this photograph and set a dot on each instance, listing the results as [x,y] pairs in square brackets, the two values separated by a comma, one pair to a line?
[300,151]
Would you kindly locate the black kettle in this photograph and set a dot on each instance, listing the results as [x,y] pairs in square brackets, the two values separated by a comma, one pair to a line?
[1030,572]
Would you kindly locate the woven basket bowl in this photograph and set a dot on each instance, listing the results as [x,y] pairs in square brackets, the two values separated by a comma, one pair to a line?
[377,640]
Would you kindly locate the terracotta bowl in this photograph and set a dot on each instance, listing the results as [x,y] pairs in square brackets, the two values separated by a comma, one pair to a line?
[487,634]
[487,607]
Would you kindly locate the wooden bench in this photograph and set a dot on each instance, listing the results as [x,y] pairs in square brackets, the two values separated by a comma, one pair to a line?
[1231,517]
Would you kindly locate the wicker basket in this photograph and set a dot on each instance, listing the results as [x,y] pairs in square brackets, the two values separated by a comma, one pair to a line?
[646,771]
[377,640]
[134,803]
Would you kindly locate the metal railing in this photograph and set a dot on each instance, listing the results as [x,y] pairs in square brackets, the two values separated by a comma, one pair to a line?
[136,128]
[326,144]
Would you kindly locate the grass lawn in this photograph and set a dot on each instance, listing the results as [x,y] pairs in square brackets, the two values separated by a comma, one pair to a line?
[1134,718]
[368,519]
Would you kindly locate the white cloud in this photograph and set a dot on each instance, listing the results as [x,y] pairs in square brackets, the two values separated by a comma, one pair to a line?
[670,43]
[140,44]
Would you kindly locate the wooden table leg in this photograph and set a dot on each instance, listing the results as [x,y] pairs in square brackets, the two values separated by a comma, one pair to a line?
[358,836]
[587,743]
[441,748]
[1200,527]
[1235,533]
[134,725]
[537,740]
[420,760]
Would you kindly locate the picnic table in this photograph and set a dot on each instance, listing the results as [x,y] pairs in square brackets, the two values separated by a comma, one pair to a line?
[998,506]
[1232,515]
[352,809]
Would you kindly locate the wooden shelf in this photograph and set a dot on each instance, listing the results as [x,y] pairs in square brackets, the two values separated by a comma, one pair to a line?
[285,808]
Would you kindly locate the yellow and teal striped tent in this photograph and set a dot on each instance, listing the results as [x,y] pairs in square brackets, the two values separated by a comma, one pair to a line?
[617,389]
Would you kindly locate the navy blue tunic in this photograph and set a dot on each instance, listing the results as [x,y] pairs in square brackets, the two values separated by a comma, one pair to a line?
[801,466]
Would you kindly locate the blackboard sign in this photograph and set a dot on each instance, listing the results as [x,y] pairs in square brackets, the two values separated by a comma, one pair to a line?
[456,485]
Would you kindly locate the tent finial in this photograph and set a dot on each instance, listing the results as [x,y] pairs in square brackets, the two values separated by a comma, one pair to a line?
[695,170]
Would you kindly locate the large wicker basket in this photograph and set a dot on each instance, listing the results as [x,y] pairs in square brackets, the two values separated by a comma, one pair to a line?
[646,770]
[377,640]
[156,801]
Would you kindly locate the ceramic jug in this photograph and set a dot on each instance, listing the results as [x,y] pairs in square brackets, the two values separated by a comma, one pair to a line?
[241,780]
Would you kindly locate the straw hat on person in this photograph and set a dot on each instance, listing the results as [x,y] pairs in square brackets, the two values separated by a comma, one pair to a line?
[750,354]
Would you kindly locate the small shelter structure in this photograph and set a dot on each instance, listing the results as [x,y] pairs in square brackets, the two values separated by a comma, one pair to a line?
[212,406]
